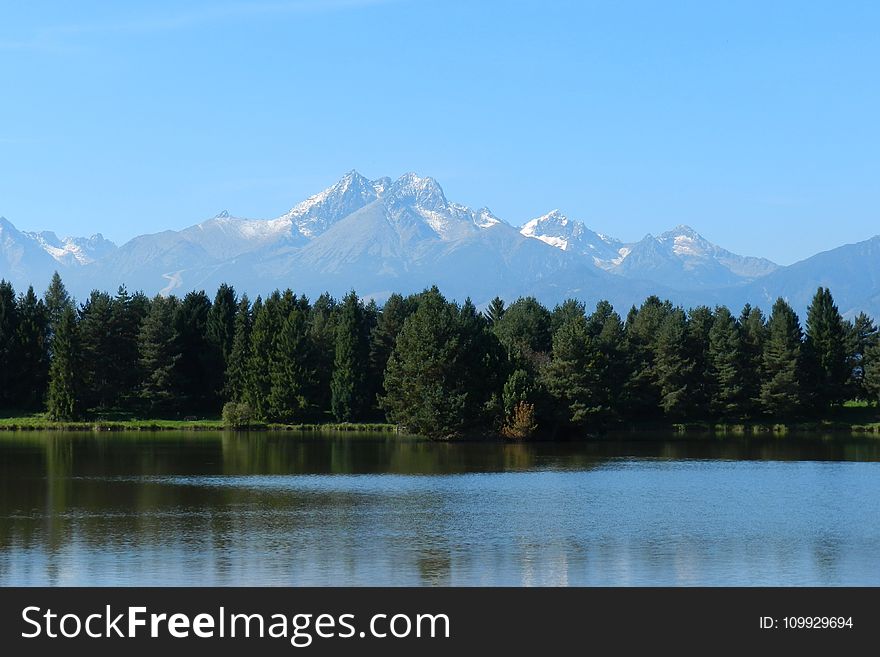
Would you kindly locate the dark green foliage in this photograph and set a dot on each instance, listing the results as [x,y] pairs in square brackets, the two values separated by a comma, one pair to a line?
[8,339]
[95,328]
[825,352]
[160,352]
[725,358]
[220,330]
[351,363]
[197,369]
[291,376]
[861,336]
[32,351]
[525,332]
[323,317]
[781,394]
[567,310]
[753,336]
[383,339]
[63,401]
[674,365]
[239,354]
[127,313]
[57,300]
[871,376]
[641,392]
[699,325]
[436,380]
[495,311]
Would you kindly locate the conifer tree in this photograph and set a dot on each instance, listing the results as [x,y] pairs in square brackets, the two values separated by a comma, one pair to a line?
[291,378]
[196,368]
[63,399]
[674,365]
[259,383]
[641,392]
[781,390]
[8,346]
[725,366]
[825,351]
[871,376]
[32,351]
[429,376]
[862,334]
[323,317]
[127,314]
[570,377]
[220,333]
[495,311]
[236,370]
[57,300]
[699,324]
[350,366]
[753,332]
[160,352]
[96,341]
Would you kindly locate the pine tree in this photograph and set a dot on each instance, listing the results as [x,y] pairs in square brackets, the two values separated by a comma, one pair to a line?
[63,399]
[32,351]
[236,370]
[383,339]
[861,335]
[98,368]
[495,311]
[570,377]
[291,378]
[348,386]
[781,391]
[725,366]
[871,377]
[122,350]
[57,300]
[196,369]
[432,371]
[8,347]
[825,351]
[323,317]
[259,383]
[674,366]
[220,333]
[160,352]
[753,334]
[525,331]
[700,321]
[641,391]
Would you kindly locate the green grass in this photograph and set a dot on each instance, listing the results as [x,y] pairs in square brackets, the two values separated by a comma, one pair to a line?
[39,422]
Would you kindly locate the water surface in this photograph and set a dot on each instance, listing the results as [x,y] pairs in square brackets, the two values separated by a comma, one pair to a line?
[290,509]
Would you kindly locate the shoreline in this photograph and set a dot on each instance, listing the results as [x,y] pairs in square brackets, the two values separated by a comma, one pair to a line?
[692,429]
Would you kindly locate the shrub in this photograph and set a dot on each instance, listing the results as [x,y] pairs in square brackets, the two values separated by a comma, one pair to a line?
[237,415]
[521,423]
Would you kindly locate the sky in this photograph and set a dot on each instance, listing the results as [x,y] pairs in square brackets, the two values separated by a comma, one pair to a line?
[754,122]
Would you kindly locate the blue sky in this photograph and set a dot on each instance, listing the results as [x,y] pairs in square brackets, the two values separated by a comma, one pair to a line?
[754,122]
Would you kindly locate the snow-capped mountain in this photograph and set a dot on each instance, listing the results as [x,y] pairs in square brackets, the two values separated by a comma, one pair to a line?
[680,258]
[555,229]
[380,236]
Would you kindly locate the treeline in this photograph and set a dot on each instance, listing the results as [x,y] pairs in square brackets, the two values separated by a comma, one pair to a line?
[435,367]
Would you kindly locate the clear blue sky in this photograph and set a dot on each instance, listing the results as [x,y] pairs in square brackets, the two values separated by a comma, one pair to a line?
[758,123]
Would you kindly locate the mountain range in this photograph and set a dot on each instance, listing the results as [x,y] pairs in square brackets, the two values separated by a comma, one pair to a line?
[382,236]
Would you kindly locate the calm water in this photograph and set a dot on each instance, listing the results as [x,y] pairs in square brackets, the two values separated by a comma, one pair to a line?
[221,509]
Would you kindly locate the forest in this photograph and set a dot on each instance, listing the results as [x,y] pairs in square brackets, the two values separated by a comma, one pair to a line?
[432,366]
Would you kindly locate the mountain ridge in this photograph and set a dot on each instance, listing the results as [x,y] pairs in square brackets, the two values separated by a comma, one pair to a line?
[382,235]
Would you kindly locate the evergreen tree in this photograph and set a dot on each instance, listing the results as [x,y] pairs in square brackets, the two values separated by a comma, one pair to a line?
[674,366]
[641,392]
[753,333]
[196,369]
[525,331]
[127,313]
[825,351]
[291,378]
[567,310]
[259,383]
[871,376]
[861,334]
[432,372]
[780,391]
[351,362]
[725,366]
[220,333]
[32,351]
[570,377]
[63,399]
[160,352]
[236,370]
[96,339]
[495,311]
[8,344]
[700,321]
[57,300]
[383,339]
[323,317]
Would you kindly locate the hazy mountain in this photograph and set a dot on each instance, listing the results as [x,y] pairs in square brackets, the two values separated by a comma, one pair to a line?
[379,236]
[680,258]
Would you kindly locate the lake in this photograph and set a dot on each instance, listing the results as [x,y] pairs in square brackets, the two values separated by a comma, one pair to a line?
[295,509]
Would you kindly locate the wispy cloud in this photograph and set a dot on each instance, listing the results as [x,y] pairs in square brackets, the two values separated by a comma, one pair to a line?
[60,37]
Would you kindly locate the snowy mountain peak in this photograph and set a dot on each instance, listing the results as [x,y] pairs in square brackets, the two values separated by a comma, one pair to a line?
[423,192]
[317,213]
[222,215]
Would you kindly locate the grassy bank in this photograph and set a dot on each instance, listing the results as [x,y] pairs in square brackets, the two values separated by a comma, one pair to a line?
[43,423]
